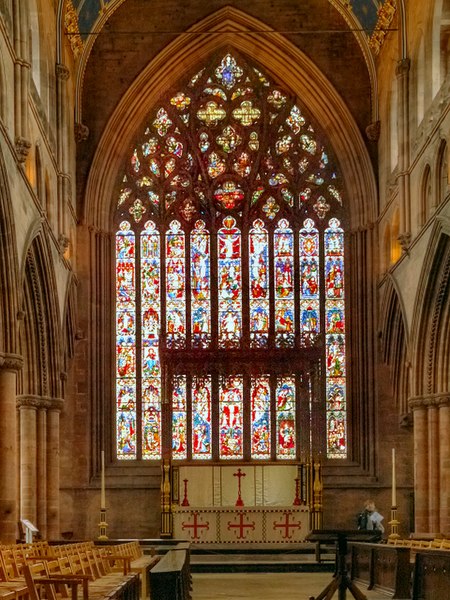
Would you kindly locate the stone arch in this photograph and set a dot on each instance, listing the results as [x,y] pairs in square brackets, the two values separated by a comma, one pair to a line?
[280,58]
[8,268]
[40,330]
[394,344]
[432,317]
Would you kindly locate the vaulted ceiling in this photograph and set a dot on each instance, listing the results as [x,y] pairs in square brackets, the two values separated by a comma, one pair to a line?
[90,10]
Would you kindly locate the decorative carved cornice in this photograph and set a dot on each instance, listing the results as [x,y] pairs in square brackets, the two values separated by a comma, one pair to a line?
[72,30]
[403,67]
[373,131]
[405,240]
[385,15]
[40,402]
[22,148]
[433,400]
[81,132]
[11,362]
[63,242]
[62,72]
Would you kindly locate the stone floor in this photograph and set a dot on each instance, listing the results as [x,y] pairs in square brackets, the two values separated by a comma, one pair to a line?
[265,586]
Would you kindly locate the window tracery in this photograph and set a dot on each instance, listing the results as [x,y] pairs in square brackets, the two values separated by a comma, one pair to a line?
[234,294]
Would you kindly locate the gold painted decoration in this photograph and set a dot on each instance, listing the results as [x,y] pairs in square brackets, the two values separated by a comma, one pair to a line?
[71,29]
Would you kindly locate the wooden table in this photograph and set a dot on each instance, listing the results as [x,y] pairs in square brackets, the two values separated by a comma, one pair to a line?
[341,581]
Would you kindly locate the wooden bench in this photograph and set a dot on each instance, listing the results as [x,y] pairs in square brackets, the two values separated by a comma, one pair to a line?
[63,571]
[431,580]
[382,567]
[170,578]
[138,562]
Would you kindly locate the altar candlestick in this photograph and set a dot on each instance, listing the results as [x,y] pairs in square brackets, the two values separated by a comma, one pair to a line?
[394,483]
[102,494]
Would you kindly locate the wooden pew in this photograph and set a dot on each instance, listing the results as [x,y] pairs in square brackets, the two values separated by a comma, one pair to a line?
[170,577]
[138,562]
[431,578]
[382,567]
[64,570]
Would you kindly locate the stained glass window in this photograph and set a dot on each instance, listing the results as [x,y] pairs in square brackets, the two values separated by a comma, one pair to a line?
[230,261]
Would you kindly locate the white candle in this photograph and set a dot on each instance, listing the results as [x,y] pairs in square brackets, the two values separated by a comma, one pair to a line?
[394,483]
[102,494]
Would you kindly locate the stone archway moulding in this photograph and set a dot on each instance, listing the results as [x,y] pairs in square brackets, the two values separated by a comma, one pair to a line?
[281,59]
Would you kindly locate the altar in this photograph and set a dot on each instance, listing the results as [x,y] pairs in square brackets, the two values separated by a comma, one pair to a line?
[248,505]
[249,525]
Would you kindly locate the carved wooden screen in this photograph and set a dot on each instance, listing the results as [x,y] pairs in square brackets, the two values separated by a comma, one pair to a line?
[230,307]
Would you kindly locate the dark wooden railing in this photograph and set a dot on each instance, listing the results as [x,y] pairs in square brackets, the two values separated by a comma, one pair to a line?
[431,575]
[382,567]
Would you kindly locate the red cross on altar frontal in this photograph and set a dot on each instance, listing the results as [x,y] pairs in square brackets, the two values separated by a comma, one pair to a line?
[239,474]
[195,526]
[241,526]
[287,525]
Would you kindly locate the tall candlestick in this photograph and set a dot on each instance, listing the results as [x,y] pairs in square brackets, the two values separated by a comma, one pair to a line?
[102,494]
[394,483]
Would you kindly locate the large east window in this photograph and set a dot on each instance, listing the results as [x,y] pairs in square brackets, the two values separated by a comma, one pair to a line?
[230,259]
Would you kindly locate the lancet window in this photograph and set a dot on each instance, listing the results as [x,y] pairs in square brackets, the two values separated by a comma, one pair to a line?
[230,277]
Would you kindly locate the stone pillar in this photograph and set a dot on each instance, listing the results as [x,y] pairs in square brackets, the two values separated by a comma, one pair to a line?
[444,458]
[9,365]
[420,464]
[41,471]
[433,467]
[21,78]
[64,189]
[53,453]
[28,407]
[402,72]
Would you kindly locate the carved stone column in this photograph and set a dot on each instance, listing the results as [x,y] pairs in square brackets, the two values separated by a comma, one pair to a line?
[28,407]
[444,457]
[64,190]
[55,406]
[41,471]
[421,464]
[21,78]
[433,466]
[10,364]
[432,462]
[402,72]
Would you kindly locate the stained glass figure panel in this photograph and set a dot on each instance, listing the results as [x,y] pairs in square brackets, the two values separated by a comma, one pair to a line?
[150,249]
[335,341]
[175,286]
[231,440]
[229,284]
[286,431]
[284,285]
[259,285]
[260,417]
[179,417]
[200,286]
[126,341]
[201,417]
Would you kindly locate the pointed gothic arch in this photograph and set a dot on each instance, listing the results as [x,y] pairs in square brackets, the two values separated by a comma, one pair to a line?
[431,317]
[394,343]
[40,330]
[9,306]
[278,57]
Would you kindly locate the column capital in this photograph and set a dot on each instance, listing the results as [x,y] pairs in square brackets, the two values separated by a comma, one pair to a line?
[430,401]
[39,402]
[403,67]
[62,72]
[11,362]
